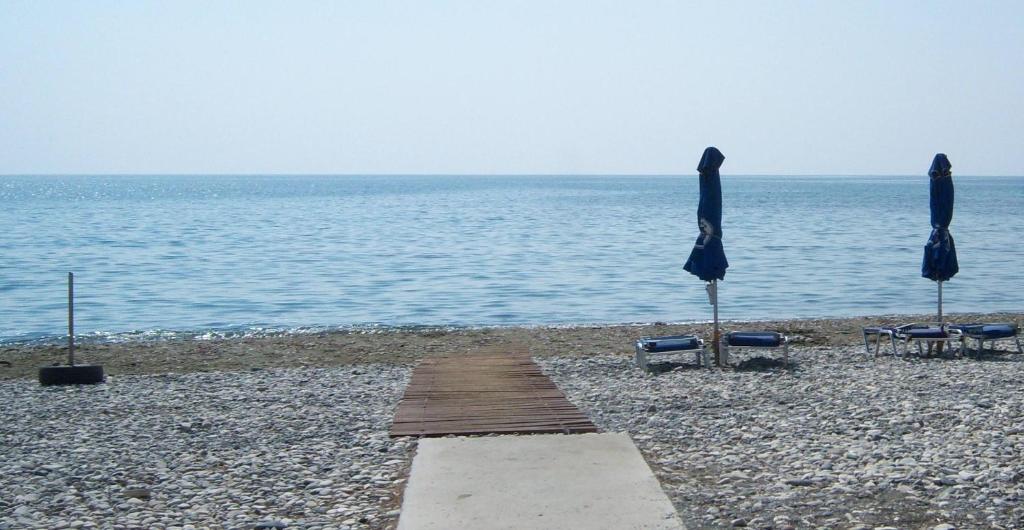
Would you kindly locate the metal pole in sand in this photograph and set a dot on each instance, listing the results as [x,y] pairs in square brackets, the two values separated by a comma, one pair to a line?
[71,319]
[716,337]
[938,347]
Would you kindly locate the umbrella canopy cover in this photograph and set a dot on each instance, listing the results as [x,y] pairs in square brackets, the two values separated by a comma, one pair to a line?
[939,263]
[707,259]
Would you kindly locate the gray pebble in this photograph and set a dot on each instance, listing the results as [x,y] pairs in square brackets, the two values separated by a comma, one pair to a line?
[842,440]
[203,450]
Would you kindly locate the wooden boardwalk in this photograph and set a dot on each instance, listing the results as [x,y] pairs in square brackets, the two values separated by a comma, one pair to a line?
[484,394]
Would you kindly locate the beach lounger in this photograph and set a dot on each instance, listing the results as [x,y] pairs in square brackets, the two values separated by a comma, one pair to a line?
[647,346]
[987,332]
[880,332]
[755,339]
[930,334]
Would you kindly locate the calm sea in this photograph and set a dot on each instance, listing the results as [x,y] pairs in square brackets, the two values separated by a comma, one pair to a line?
[160,255]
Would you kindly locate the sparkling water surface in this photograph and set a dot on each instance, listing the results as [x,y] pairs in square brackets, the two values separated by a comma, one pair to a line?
[157,255]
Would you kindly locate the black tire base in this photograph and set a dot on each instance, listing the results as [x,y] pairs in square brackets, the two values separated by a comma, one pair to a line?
[79,374]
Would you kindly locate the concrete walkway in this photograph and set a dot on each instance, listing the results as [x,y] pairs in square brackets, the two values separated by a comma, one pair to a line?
[585,481]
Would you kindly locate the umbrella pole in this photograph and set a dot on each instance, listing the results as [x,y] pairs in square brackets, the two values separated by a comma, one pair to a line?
[716,337]
[71,319]
[938,347]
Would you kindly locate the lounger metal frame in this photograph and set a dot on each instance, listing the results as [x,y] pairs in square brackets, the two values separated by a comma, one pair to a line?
[642,360]
[879,332]
[981,342]
[783,345]
[953,336]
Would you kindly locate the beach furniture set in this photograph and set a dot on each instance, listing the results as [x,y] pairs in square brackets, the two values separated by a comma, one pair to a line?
[646,347]
[939,264]
[707,261]
[929,335]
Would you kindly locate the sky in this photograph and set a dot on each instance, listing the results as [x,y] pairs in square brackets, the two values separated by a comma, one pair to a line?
[517,87]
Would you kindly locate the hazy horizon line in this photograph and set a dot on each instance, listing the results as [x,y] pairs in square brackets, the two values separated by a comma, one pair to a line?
[285,174]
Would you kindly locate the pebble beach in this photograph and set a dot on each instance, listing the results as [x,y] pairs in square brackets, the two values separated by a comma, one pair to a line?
[836,442]
[291,431]
[269,448]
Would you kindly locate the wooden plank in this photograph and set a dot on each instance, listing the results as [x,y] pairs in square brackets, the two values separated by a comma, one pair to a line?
[484,394]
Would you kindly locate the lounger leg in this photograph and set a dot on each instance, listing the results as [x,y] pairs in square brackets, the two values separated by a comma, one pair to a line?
[785,352]
[867,344]
[641,359]
[725,353]
[878,343]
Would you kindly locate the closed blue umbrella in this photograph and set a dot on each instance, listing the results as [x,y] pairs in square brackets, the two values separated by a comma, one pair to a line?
[939,263]
[707,259]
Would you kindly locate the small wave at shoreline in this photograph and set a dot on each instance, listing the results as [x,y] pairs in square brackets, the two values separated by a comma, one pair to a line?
[265,331]
[256,332]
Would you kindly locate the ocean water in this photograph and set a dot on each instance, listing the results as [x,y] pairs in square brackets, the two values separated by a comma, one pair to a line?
[155,256]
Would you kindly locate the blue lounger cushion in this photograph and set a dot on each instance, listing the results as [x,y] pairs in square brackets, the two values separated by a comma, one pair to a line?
[757,339]
[673,343]
[987,331]
[924,333]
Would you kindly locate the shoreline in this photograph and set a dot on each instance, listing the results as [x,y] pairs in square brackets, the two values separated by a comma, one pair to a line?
[326,349]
